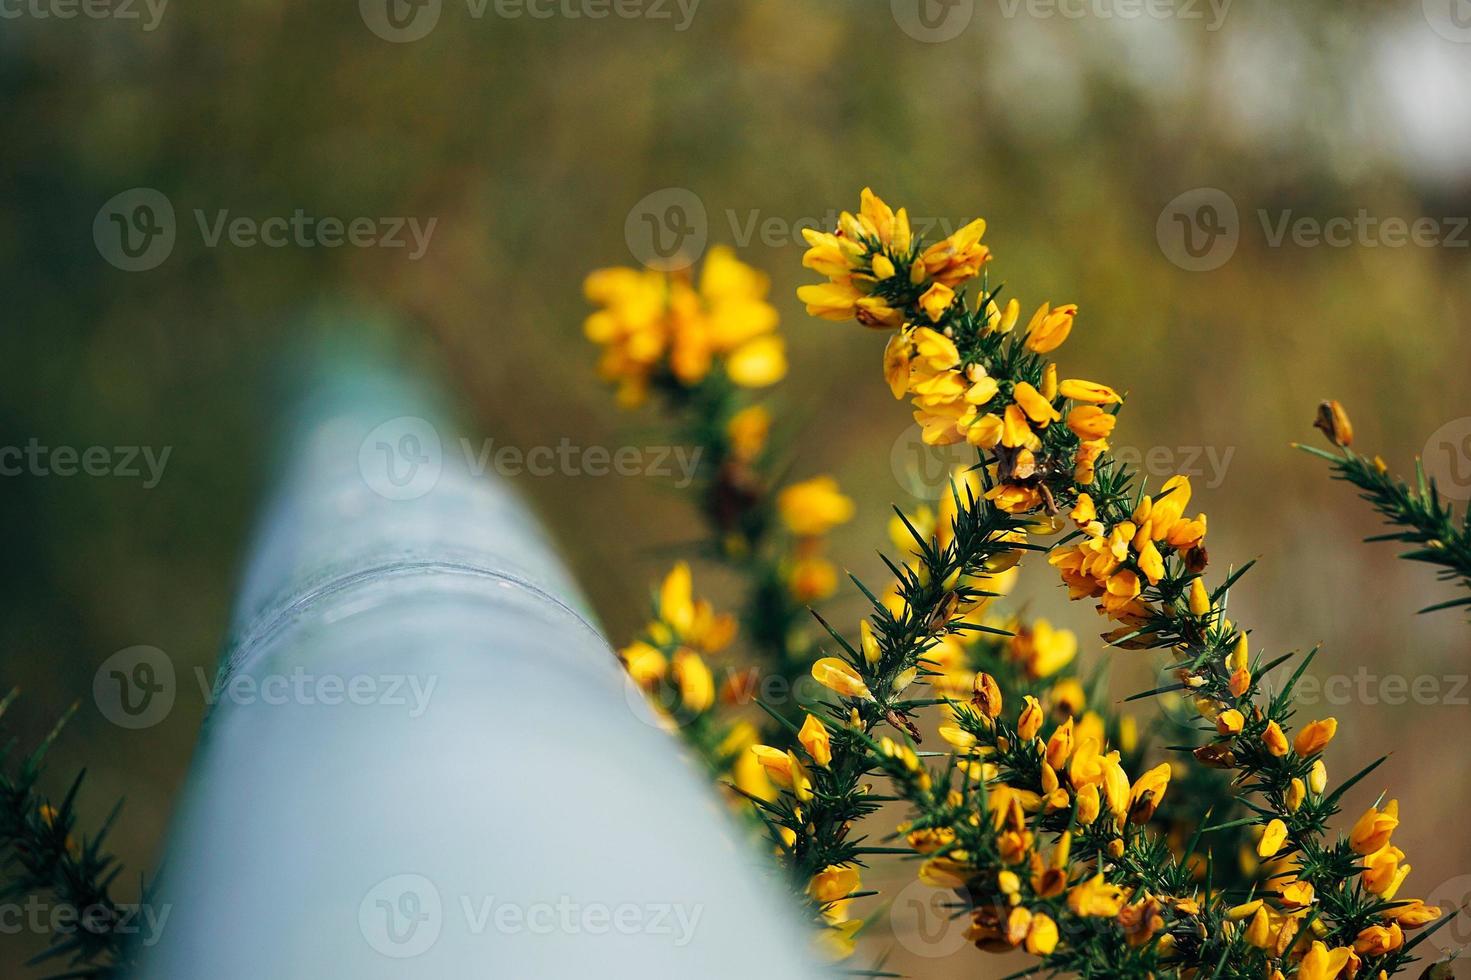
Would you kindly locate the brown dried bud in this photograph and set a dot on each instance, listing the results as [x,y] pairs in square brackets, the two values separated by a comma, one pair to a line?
[1333,422]
[1216,755]
[987,695]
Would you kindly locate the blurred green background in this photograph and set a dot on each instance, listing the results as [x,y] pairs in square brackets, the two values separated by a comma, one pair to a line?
[531,140]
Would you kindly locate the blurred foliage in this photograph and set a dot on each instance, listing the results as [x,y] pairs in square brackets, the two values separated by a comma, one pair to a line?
[531,139]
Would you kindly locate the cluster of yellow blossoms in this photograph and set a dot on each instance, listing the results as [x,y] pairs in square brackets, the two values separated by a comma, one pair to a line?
[879,276]
[675,643]
[1042,448]
[1116,563]
[661,327]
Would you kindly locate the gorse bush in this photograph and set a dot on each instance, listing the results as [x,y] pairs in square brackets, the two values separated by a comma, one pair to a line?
[1056,823]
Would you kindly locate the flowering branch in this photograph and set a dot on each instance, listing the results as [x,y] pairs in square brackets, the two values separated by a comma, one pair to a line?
[1426,521]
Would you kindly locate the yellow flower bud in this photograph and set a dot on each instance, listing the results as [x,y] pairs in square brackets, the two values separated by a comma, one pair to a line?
[1030,721]
[1315,736]
[1273,837]
[837,675]
[1200,600]
[1318,777]
[869,643]
[815,739]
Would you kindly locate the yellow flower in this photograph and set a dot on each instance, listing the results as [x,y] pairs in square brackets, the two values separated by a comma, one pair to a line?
[1090,422]
[959,257]
[758,363]
[1315,736]
[1031,719]
[836,942]
[1043,650]
[676,599]
[1297,894]
[869,643]
[1089,391]
[1200,600]
[1038,409]
[1275,741]
[831,300]
[696,684]
[936,300]
[896,364]
[1059,747]
[1320,963]
[814,507]
[785,770]
[831,255]
[1229,722]
[1372,830]
[1068,696]
[1318,777]
[1088,805]
[1041,935]
[749,776]
[833,883]
[930,839]
[644,663]
[1096,897]
[1379,940]
[1383,872]
[1296,793]
[1413,914]
[1146,793]
[1273,837]
[812,578]
[836,675]
[1050,327]
[815,739]
[747,431]
[958,737]
[999,320]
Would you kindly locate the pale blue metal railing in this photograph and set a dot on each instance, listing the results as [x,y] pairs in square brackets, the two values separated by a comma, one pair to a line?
[425,761]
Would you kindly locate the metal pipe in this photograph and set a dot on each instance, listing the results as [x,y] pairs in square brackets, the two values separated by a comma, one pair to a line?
[423,759]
